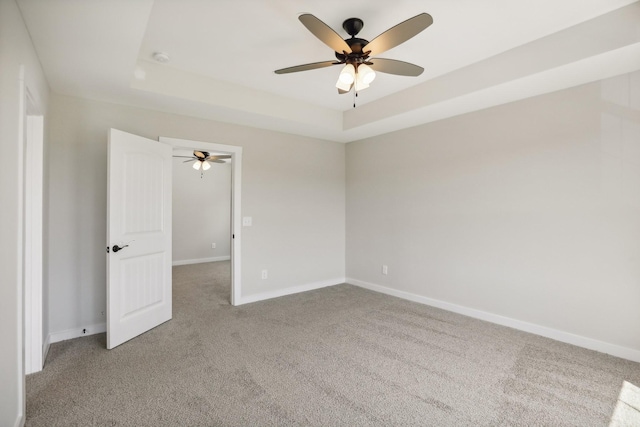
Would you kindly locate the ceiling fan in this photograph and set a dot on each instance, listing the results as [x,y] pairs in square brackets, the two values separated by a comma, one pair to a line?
[357,54]
[201,159]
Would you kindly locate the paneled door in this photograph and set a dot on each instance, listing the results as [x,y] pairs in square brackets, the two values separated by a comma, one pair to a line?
[138,236]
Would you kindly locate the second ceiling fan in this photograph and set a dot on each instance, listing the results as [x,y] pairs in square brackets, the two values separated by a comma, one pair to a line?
[201,160]
[357,54]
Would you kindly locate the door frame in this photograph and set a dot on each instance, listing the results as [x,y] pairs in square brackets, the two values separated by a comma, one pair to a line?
[236,192]
[31,190]
[33,235]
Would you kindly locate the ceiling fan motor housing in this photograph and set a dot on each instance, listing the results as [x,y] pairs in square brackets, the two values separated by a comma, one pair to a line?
[356,55]
[353,26]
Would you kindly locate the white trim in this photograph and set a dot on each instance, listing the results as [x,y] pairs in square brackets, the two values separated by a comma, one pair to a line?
[21,380]
[236,199]
[33,249]
[289,291]
[70,334]
[20,421]
[236,226]
[45,348]
[201,260]
[566,337]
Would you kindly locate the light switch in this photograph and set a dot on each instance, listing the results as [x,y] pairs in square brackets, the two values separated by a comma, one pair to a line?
[247,221]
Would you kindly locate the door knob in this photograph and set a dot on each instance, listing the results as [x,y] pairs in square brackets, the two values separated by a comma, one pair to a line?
[117,248]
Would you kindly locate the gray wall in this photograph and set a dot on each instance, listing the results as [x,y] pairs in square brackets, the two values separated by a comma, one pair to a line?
[15,50]
[530,210]
[201,211]
[292,186]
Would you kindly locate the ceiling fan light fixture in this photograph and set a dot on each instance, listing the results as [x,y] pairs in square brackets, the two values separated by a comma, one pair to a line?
[206,166]
[196,164]
[343,86]
[366,74]
[360,85]
[348,74]
[362,80]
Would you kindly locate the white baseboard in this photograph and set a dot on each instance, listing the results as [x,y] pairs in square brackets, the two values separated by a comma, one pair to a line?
[567,337]
[102,327]
[289,291]
[201,260]
[76,333]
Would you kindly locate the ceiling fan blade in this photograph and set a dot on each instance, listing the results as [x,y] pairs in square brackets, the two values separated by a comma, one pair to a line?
[392,66]
[398,34]
[217,157]
[324,33]
[216,161]
[192,159]
[306,67]
[186,157]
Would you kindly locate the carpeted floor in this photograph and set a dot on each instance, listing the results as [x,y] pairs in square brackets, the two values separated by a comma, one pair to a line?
[338,356]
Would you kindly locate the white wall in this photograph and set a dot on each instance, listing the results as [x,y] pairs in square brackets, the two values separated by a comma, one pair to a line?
[15,50]
[201,211]
[292,186]
[530,210]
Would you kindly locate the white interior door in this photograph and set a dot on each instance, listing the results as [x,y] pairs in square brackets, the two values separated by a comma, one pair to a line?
[138,236]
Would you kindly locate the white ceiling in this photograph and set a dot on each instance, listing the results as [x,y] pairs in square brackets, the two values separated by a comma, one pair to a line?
[223,53]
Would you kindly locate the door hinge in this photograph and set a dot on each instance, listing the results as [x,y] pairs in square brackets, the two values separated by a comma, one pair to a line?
[107,249]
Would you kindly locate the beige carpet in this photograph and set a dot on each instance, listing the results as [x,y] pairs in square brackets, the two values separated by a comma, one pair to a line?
[339,356]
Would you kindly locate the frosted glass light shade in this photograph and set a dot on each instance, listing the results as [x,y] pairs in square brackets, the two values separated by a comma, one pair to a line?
[366,74]
[360,85]
[348,74]
[343,86]
[196,164]
[205,166]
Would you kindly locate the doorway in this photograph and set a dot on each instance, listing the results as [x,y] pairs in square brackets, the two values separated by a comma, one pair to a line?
[236,164]
[201,217]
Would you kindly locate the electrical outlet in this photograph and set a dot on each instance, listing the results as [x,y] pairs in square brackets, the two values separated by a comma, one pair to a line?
[213,246]
[265,274]
[385,270]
